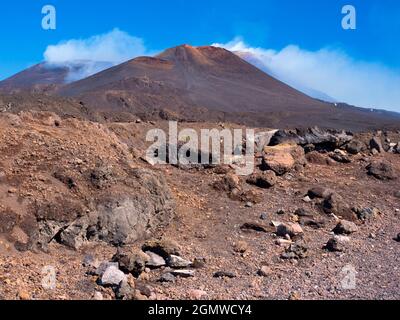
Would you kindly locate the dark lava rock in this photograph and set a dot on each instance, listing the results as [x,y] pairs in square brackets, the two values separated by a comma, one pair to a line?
[321,139]
[224,274]
[335,204]
[264,216]
[295,251]
[125,291]
[320,192]
[345,227]
[164,247]
[382,170]
[355,146]
[366,213]
[167,277]
[303,213]
[340,157]
[253,226]
[312,223]
[376,143]
[337,244]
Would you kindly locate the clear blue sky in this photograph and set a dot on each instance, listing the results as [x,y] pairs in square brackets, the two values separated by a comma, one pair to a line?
[274,24]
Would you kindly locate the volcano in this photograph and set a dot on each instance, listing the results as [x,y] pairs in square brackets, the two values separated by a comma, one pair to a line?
[212,83]
[203,77]
[200,84]
[45,76]
[39,75]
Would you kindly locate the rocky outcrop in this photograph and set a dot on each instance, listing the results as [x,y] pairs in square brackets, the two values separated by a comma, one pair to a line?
[321,139]
[118,218]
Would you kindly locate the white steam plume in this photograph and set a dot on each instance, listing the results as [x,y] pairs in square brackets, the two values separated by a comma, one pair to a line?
[328,71]
[85,57]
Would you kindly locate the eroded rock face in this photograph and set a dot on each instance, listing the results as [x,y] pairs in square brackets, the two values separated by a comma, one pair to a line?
[74,181]
[126,218]
[118,218]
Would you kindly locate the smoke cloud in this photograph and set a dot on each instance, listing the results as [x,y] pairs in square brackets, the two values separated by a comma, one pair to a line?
[85,57]
[327,74]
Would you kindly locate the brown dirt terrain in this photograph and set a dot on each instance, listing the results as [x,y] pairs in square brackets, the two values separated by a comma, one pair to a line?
[77,167]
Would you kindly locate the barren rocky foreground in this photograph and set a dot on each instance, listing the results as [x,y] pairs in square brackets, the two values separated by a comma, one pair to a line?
[77,198]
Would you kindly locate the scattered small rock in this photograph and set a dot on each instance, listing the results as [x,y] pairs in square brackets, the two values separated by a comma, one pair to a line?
[281,212]
[164,247]
[366,213]
[382,170]
[263,180]
[372,236]
[289,229]
[183,273]
[113,277]
[199,263]
[90,261]
[345,227]
[319,192]
[167,277]
[196,294]
[355,146]
[248,205]
[335,204]
[224,274]
[155,261]
[301,212]
[264,271]
[264,216]
[340,156]
[125,291]
[253,226]
[178,262]
[312,223]
[283,242]
[241,246]
[103,267]
[295,251]
[338,243]
[131,261]
[376,143]
[24,295]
